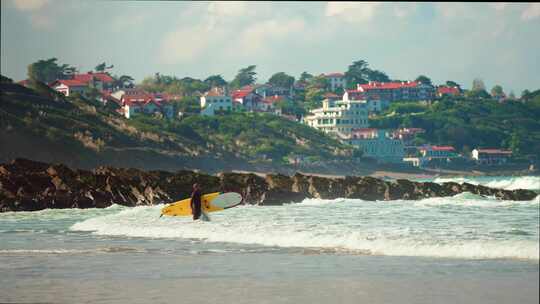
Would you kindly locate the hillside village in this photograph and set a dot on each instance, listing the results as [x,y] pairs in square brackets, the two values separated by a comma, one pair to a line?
[341,108]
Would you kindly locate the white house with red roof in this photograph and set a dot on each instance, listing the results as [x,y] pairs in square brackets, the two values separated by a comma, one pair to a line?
[69,86]
[214,100]
[448,91]
[249,100]
[392,91]
[141,102]
[491,156]
[373,105]
[336,80]
[100,81]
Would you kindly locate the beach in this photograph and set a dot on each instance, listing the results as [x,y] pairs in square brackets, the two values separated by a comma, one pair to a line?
[461,249]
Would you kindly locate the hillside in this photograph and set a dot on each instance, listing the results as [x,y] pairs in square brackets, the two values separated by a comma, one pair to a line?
[84,134]
[470,123]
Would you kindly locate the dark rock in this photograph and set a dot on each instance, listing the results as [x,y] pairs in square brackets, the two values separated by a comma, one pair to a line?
[28,185]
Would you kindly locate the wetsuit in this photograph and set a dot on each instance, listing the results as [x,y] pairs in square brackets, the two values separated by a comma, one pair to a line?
[196,204]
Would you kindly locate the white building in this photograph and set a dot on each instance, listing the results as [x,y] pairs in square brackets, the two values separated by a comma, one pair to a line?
[215,100]
[336,80]
[373,105]
[69,86]
[491,156]
[339,117]
[378,144]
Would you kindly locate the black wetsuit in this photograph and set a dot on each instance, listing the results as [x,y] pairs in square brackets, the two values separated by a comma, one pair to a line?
[196,204]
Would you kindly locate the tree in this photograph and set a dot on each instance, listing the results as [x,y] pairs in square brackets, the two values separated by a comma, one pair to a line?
[497,91]
[423,80]
[124,81]
[376,75]
[451,83]
[305,77]
[246,76]
[357,73]
[215,81]
[478,85]
[281,80]
[512,95]
[102,67]
[48,70]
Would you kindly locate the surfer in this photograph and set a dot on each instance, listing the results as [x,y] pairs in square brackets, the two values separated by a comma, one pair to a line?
[196,201]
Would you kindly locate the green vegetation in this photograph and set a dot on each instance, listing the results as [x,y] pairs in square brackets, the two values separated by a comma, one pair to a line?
[48,70]
[468,123]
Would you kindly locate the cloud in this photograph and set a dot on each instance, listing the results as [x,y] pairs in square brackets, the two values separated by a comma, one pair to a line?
[185,44]
[351,11]
[531,12]
[268,32]
[29,5]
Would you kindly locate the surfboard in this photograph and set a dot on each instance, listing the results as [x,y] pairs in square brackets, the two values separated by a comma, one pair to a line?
[211,202]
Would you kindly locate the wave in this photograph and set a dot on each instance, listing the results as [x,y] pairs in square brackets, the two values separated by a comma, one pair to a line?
[67,251]
[262,226]
[507,183]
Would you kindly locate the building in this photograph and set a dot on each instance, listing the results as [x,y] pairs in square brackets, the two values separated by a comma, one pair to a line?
[339,117]
[429,154]
[269,104]
[100,81]
[373,105]
[407,135]
[448,91]
[393,91]
[248,99]
[378,144]
[69,86]
[434,152]
[214,100]
[491,156]
[140,102]
[336,80]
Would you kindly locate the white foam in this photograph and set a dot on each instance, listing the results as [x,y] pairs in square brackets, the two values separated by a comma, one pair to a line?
[507,183]
[397,228]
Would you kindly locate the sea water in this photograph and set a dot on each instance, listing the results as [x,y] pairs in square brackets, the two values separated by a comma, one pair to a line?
[464,248]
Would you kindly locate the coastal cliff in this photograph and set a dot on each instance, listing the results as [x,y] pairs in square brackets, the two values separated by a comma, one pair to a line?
[27,185]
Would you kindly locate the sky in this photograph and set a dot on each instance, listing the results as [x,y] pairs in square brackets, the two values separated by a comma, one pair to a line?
[496,42]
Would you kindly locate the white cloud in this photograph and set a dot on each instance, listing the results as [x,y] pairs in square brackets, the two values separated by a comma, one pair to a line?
[351,11]
[185,44]
[531,12]
[268,32]
[29,5]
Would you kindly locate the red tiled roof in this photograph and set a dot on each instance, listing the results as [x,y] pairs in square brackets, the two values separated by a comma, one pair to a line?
[439,148]
[69,83]
[330,95]
[272,99]
[104,77]
[240,94]
[388,85]
[494,151]
[448,90]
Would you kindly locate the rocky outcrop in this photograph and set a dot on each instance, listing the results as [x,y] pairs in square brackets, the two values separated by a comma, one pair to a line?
[27,185]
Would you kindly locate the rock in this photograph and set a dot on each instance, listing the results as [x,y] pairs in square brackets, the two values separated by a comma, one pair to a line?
[28,185]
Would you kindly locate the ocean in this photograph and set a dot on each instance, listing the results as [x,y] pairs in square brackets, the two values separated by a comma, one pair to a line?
[460,249]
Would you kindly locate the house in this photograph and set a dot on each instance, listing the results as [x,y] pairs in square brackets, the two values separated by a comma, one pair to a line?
[339,117]
[448,91]
[392,91]
[378,144]
[373,105]
[100,81]
[336,80]
[214,100]
[248,99]
[407,134]
[266,90]
[491,156]
[430,155]
[145,103]
[269,104]
[69,86]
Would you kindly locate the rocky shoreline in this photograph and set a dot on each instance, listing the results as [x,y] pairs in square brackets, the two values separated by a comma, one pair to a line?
[27,185]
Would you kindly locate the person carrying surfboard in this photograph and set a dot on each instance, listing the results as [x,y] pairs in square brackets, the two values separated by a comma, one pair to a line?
[196,202]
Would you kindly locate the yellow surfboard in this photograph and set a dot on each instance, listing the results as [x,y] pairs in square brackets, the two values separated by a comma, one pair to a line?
[223,201]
